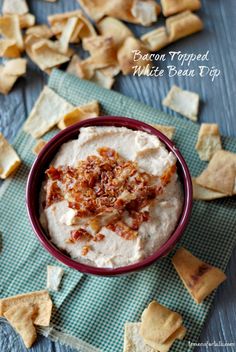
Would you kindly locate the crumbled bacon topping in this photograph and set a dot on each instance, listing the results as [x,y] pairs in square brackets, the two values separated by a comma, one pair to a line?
[102,184]
[98,237]
[80,235]
[123,230]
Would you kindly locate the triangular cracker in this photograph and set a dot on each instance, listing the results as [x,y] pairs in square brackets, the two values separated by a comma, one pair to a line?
[38,123]
[159,323]
[21,318]
[9,160]
[41,298]
[199,278]
[168,131]
[133,342]
[202,193]
[220,174]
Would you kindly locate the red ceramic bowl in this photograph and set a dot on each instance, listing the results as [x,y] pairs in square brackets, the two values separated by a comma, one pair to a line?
[43,160]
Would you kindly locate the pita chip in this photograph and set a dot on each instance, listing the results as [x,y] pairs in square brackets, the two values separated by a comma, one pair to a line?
[54,276]
[126,58]
[15,67]
[199,278]
[41,31]
[171,7]
[182,25]
[156,40]
[145,12]
[133,342]
[114,28]
[159,323]
[41,298]
[6,81]
[73,117]
[102,50]
[10,29]
[67,34]
[102,79]
[182,101]
[38,123]
[208,141]
[39,146]
[134,11]
[220,174]
[9,49]
[9,160]
[168,131]
[166,346]
[202,193]
[21,317]
[73,64]
[18,7]
[27,20]
[91,108]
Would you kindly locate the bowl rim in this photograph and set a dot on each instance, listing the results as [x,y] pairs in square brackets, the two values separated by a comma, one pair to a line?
[118,121]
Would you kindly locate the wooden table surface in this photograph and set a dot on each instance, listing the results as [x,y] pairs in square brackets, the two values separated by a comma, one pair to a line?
[218,104]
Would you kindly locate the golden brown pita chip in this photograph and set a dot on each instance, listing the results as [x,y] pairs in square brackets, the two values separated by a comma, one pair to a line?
[126,58]
[44,52]
[134,11]
[27,20]
[114,28]
[182,101]
[199,278]
[133,342]
[91,107]
[72,67]
[18,7]
[156,39]
[208,140]
[9,49]
[86,29]
[171,7]
[168,131]
[102,50]
[41,30]
[60,17]
[75,116]
[9,160]
[6,81]
[38,123]
[202,193]
[39,298]
[15,67]
[182,25]
[21,318]
[102,79]
[159,323]
[166,346]
[67,34]
[39,146]
[10,29]
[220,173]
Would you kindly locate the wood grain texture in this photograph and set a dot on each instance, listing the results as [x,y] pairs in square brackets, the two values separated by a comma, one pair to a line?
[218,104]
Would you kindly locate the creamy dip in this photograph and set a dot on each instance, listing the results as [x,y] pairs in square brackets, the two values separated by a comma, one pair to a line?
[115,239]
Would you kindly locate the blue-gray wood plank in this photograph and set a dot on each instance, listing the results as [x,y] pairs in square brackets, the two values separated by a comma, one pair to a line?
[218,104]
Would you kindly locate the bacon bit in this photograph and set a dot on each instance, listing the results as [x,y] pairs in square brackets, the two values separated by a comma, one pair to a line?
[53,173]
[123,230]
[166,177]
[85,250]
[98,237]
[80,235]
[53,194]
[138,219]
[107,152]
